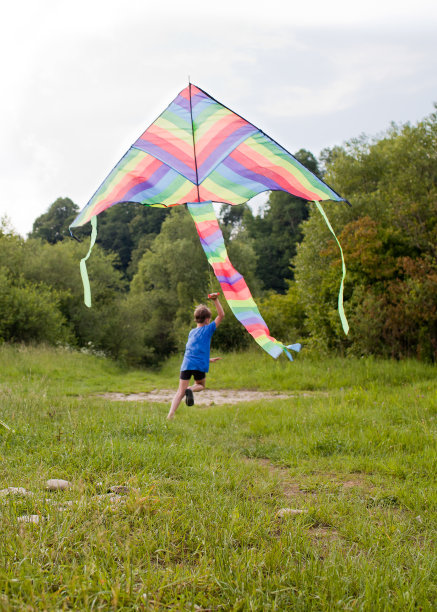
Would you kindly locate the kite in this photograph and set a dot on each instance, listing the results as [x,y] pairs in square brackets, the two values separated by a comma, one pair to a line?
[198,152]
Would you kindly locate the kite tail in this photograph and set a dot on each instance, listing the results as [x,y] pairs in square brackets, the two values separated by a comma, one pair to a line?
[83,270]
[234,286]
[343,319]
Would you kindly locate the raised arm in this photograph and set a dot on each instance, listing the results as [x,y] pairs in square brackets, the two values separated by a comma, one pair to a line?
[220,311]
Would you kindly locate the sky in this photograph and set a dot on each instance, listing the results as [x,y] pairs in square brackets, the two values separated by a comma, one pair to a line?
[82,80]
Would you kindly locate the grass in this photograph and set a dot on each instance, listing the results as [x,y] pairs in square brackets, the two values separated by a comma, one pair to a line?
[354,449]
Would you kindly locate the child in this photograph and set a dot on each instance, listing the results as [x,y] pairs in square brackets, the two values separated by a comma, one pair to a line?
[196,358]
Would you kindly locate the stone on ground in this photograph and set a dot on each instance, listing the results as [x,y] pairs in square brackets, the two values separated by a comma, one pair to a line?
[57,484]
[289,512]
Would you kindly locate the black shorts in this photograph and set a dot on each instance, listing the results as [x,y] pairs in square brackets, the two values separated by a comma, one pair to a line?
[187,374]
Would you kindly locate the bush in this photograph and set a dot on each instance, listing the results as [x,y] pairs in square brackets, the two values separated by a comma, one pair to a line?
[285,315]
[30,313]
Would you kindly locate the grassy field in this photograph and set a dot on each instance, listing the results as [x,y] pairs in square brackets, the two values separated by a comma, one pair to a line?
[201,526]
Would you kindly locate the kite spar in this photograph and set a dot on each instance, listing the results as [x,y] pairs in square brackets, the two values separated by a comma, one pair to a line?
[198,152]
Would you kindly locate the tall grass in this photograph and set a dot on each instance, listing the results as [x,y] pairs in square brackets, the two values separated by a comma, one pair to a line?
[353,447]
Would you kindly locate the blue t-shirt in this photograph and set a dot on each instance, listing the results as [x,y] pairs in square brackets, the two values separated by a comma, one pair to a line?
[198,347]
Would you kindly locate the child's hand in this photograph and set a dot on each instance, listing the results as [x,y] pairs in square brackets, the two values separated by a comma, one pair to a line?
[213,296]
[214,359]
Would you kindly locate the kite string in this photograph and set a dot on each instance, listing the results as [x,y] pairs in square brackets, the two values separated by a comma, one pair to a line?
[343,319]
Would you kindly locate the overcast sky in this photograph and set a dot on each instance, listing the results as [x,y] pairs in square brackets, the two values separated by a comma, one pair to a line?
[82,80]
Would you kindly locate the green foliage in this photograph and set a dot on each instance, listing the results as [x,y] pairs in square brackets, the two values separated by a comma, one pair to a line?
[388,237]
[231,335]
[241,251]
[309,161]
[52,226]
[42,299]
[148,271]
[124,230]
[127,229]
[275,235]
[143,325]
[276,231]
[285,315]
[232,217]
[117,328]
[30,312]
[29,309]
[57,267]
[172,278]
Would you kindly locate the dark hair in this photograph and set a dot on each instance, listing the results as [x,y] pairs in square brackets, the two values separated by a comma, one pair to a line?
[202,313]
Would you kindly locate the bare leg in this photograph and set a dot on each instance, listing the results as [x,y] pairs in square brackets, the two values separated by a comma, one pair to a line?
[180,393]
[199,385]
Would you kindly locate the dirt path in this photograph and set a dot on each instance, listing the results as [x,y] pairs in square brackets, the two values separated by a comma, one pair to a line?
[209,397]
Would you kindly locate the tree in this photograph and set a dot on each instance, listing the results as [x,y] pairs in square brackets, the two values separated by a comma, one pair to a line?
[277,230]
[53,225]
[122,229]
[30,313]
[41,299]
[29,310]
[388,237]
[285,314]
[126,228]
[232,218]
[309,161]
[275,236]
[172,277]
[57,267]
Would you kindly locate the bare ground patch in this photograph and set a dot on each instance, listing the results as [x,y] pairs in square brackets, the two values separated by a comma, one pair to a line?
[209,397]
[298,492]
[314,481]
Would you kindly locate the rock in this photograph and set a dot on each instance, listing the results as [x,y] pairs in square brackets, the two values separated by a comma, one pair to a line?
[14,491]
[29,518]
[289,512]
[56,484]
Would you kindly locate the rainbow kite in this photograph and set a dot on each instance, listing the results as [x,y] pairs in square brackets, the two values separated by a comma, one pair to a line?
[198,152]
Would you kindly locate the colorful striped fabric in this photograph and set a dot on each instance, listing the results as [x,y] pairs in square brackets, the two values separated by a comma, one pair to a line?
[198,152]
[233,285]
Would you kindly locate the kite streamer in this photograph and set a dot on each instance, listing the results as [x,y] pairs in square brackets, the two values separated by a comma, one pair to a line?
[83,270]
[234,286]
[197,152]
[343,319]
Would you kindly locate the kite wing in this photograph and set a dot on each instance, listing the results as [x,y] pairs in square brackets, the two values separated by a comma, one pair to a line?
[197,152]
[200,151]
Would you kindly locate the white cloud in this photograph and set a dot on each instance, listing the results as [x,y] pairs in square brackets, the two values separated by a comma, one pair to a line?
[352,74]
[83,79]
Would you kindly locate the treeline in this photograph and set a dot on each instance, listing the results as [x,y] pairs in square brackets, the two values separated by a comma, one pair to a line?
[148,269]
